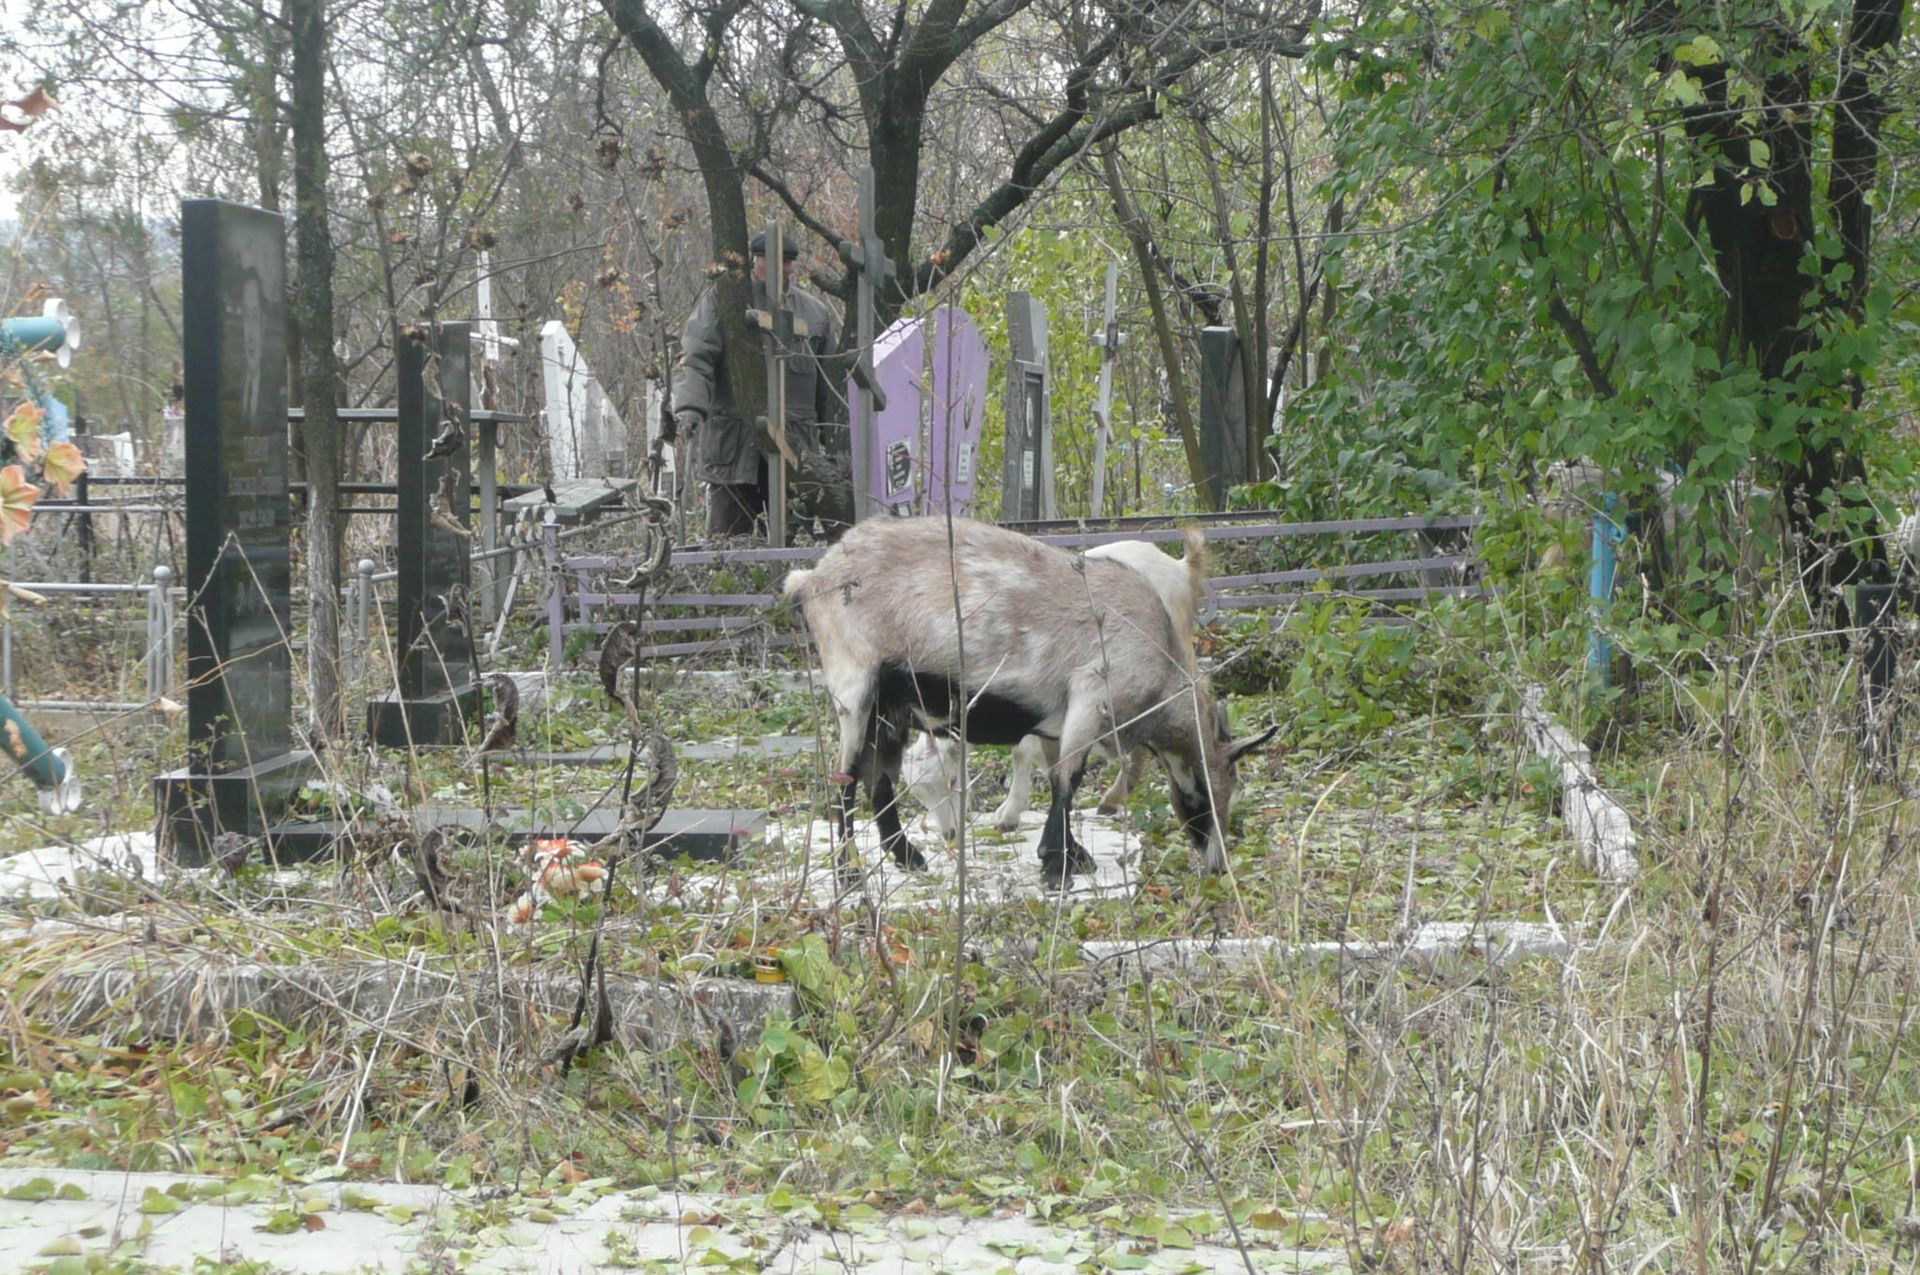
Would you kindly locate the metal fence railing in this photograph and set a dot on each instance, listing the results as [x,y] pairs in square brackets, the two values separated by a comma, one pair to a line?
[160,595]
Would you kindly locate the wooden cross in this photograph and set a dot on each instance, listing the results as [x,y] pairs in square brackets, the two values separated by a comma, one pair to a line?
[781,327]
[876,270]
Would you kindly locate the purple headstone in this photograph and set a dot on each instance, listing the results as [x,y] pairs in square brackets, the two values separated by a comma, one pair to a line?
[899,354]
[959,410]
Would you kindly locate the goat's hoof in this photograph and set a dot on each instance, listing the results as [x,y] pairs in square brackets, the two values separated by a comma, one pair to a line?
[1109,808]
[907,856]
[1057,867]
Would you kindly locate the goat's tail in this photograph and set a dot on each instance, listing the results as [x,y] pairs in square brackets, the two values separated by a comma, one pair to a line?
[1196,560]
[796,580]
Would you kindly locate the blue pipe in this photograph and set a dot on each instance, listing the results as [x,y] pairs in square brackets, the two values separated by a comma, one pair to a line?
[1607,536]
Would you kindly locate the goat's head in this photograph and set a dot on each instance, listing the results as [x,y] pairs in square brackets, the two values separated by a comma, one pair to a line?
[1202,799]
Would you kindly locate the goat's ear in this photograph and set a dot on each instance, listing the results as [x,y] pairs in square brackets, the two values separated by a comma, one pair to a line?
[1240,748]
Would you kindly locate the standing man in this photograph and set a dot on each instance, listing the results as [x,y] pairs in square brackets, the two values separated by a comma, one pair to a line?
[728,453]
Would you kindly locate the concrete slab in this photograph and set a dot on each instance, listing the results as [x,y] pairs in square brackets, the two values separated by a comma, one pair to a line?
[697,834]
[799,857]
[44,873]
[389,1227]
[576,499]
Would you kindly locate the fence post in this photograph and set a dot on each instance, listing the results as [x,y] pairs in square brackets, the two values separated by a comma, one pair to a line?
[362,612]
[80,496]
[556,583]
[160,633]
[1875,614]
[1607,537]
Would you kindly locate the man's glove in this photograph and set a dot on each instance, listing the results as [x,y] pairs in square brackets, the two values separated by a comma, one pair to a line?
[685,421]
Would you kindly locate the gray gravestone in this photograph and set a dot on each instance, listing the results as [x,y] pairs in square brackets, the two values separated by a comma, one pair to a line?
[1026,473]
[437,692]
[1223,415]
[242,766]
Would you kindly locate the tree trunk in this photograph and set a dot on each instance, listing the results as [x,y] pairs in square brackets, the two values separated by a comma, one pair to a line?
[723,173]
[1761,239]
[1170,351]
[313,310]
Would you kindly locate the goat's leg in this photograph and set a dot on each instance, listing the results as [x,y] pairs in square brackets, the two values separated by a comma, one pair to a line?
[889,747]
[1061,854]
[852,699]
[1028,756]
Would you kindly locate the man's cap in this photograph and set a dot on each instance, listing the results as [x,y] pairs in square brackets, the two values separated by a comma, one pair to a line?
[789,249]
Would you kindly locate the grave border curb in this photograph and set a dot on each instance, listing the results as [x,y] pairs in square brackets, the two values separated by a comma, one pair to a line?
[1598,824]
[1425,945]
[187,996]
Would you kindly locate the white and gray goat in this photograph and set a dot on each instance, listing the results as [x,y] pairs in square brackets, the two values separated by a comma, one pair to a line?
[932,767]
[997,637]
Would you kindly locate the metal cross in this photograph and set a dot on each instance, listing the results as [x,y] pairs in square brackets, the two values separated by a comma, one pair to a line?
[875,270]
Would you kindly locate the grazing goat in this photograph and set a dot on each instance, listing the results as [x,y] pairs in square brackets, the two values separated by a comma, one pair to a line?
[999,637]
[932,766]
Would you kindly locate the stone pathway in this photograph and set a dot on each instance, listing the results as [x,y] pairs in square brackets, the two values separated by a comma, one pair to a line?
[167,1221]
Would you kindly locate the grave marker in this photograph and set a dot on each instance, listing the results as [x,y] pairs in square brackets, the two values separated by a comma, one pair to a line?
[887,430]
[782,328]
[584,429]
[1026,475]
[1223,415]
[434,651]
[959,410]
[242,765]
[866,395]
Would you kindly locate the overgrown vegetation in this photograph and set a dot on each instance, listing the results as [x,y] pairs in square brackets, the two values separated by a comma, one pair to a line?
[1718,1075]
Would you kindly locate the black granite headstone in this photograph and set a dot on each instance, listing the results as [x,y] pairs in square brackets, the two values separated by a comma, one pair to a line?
[1223,414]
[1026,476]
[437,692]
[242,766]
